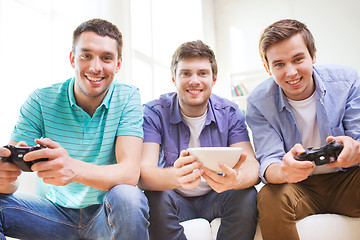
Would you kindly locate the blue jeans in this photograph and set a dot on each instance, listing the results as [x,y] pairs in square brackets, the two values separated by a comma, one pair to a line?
[236,208]
[122,215]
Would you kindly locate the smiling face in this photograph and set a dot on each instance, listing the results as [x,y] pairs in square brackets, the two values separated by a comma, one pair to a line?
[96,62]
[290,64]
[194,81]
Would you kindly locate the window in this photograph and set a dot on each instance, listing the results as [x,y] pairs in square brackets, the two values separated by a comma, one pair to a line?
[158,27]
[35,42]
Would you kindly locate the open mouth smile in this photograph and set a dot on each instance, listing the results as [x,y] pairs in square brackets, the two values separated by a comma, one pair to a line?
[293,82]
[194,91]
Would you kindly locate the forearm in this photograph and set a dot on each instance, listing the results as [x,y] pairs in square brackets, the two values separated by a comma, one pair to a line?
[158,179]
[273,174]
[250,174]
[105,177]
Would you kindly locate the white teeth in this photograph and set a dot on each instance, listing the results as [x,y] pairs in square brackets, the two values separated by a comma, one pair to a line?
[194,91]
[93,79]
[294,82]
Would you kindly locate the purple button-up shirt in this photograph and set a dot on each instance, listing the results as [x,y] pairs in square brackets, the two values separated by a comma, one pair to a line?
[163,124]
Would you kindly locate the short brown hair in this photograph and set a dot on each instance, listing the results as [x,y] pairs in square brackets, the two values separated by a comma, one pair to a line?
[102,28]
[282,30]
[191,50]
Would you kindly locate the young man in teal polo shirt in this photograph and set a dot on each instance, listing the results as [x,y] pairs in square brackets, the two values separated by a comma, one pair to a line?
[92,127]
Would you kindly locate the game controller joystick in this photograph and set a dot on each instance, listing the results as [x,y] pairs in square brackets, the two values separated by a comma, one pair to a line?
[17,154]
[325,154]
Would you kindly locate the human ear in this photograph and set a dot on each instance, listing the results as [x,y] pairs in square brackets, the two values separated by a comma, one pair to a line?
[72,59]
[267,69]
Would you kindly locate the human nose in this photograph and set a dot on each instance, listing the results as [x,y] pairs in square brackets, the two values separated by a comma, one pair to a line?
[95,65]
[194,79]
[291,70]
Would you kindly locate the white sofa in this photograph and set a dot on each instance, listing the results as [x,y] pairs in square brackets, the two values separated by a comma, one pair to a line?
[315,227]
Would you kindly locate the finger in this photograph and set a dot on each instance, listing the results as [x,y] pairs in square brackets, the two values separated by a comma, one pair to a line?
[39,154]
[193,184]
[50,180]
[184,160]
[296,150]
[188,178]
[209,179]
[184,153]
[48,173]
[22,144]
[330,138]
[10,174]
[230,172]
[217,187]
[213,175]
[241,160]
[47,165]
[187,169]
[290,160]
[8,166]
[47,142]
[210,173]
[294,163]
[4,152]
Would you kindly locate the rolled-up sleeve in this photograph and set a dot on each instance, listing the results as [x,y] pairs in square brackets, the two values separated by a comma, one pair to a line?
[268,144]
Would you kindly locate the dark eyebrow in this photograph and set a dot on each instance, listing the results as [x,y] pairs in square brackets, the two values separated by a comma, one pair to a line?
[89,50]
[299,54]
[295,56]
[276,61]
[85,50]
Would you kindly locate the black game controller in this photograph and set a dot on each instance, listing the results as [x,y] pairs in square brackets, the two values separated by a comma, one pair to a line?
[17,154]
[325,154]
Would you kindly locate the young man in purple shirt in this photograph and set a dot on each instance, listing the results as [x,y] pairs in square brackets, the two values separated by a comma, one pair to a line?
[303,105]
[177,186]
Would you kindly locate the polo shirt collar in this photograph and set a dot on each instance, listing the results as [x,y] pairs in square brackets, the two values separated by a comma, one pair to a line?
[105,102]
[71,92]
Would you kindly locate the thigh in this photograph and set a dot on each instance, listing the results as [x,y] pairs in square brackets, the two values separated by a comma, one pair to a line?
[343,189]
[292,201]
[27,216]
[165,203]
[217,205]
[167,210]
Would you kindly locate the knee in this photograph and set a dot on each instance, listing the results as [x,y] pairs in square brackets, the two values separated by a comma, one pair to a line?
[245,199]
[274,196]
[126,197]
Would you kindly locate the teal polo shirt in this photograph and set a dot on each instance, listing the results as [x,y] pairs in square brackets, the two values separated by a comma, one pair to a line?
[52,113]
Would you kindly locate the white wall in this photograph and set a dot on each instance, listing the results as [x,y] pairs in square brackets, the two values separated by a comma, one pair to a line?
[239,23]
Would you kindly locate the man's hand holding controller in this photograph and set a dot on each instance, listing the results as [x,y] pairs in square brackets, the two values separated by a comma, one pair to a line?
[17,154]
[292,170]
[9,172]
[58,171]
[350,154]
